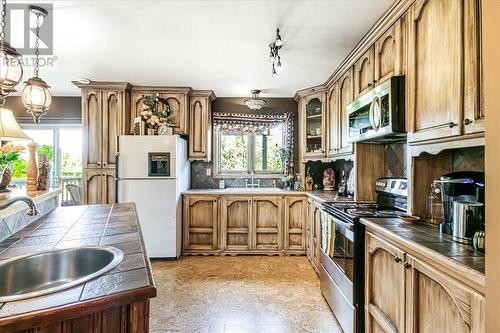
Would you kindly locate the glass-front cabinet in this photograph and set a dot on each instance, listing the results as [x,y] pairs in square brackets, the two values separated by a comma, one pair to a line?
[314,129]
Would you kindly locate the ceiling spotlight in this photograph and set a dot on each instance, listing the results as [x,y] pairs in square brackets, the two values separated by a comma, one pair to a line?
[255,103]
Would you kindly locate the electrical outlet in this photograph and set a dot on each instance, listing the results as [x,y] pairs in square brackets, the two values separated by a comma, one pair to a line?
[209,172]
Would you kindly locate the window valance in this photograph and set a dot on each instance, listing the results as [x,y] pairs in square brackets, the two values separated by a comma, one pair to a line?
[248,123]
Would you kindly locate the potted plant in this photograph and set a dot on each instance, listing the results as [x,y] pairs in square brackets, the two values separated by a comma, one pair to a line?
[8,154]
[157,120]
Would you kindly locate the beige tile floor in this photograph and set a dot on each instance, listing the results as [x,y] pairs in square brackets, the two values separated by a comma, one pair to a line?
[239,294]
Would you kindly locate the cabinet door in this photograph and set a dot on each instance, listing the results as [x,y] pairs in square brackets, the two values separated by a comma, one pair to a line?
[179,107]
[364,73]
[266,223]
[92,128]
[113,117]
[309,230]
[435,69]
[385,286]
[200,128]
[316,235]
[295,223]
[346,87]
[389,53]
[236,216]
[333,120]
[473,75]
[439,303]
[108,186]
[314,126]
[92,187]
[200,223]
[136,105]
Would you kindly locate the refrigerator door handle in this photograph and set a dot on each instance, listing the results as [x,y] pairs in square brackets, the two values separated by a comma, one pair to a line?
[117,157]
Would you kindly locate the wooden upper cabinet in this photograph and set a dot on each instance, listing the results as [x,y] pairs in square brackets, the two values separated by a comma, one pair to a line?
[267,223]
[314,125]
[177,99]
[436,69]
[333,120]
[346,94]
[295,223]
[200,126]
[389,52]
[438,303]
[385,286]
[200,223]
[364,73]
[92,128]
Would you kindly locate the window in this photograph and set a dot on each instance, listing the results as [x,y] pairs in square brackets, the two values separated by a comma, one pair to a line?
[239,153]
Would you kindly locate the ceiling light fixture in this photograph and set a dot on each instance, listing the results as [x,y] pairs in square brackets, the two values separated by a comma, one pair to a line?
[274,56]
[11,68]
[255,103]
[36,94]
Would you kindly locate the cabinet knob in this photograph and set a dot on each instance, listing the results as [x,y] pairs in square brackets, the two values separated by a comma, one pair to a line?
[397,259]
[369,84]
[452,124]
[98,163]
[104,164]
[407,265]
[467,122]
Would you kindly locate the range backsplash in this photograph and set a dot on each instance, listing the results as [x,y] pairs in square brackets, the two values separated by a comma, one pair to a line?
[395,160]
[317,168]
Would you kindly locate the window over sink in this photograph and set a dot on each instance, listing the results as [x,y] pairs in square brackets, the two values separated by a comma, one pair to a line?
[259,144]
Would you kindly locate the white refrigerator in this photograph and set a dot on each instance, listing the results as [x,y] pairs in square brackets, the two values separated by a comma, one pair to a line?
[152,172]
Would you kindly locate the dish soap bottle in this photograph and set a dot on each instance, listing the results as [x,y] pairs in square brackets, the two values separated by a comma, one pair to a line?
[434,205]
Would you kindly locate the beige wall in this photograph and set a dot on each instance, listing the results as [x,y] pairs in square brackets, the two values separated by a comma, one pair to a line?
[63,110]
[491,70]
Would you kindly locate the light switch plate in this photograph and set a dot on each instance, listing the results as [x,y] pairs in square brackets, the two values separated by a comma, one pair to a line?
[209,172]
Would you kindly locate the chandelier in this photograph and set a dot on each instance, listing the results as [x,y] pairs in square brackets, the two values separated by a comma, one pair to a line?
[274,56]
[255,103]
[36,95]
[11,68]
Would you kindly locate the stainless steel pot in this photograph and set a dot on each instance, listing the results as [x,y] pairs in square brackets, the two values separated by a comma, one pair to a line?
[467,219]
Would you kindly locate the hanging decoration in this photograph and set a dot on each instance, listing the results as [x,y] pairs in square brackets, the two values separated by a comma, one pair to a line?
[274,56]
[36,95]
[11,68]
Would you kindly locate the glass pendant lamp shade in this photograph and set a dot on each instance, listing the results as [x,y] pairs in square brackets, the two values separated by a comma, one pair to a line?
[9,128]
[11,69]
[36,97]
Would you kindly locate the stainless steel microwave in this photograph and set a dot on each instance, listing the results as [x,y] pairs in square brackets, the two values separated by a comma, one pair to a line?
[378,115]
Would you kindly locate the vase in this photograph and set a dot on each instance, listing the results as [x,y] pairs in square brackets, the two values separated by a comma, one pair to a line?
[6,177]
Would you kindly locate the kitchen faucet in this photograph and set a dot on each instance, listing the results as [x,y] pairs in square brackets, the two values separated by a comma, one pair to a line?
[253,183]
[31,204]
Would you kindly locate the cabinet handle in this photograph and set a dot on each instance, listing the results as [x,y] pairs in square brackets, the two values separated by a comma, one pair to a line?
[104,164]
[99,163]
[369,84]
[407,265]
[452,124]
[397,259]
[467,122]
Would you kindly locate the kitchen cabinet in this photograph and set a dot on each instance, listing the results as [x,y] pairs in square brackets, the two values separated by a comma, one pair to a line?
[334,124]
[200,126]
[443,69]
[314,233]
[346,94]
[295,224]
[200,223]
[406,293]
[313,125]
[98,186]
[236,219]
[390,52]
[364,73]
[176,98]
[244,224]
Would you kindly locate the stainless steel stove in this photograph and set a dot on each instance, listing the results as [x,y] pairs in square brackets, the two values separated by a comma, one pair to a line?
[342,248]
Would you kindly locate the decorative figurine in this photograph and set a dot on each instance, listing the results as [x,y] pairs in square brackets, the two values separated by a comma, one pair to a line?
[42,183]
[328,180]
[309,181]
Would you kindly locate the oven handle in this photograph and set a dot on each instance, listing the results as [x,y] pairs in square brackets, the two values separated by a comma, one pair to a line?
[375,118]
[348,227]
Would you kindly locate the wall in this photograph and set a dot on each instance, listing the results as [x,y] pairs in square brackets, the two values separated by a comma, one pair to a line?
[63,110]
[199,178]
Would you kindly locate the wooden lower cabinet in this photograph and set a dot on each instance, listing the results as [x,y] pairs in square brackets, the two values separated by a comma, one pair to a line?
[201,223]
[407,294]
[257,224]
[98,186]
[313,233]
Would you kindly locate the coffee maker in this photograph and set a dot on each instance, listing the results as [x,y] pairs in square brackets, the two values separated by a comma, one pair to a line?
[460,187]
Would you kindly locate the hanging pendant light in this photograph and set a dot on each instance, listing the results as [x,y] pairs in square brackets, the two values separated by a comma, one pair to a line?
[36,95]
[255,103]
[11,68]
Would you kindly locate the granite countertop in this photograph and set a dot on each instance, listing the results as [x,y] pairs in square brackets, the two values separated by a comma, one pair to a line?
[425,238]
[37,196]
[72,226]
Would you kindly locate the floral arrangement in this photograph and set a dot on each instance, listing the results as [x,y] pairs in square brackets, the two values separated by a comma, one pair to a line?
[152,116]
[10,153]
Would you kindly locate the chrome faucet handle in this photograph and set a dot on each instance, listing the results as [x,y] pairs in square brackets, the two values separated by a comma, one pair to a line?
[32,212]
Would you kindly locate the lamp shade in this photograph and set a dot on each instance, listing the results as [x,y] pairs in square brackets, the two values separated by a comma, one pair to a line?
[11,69]
[9,128]
[36,97]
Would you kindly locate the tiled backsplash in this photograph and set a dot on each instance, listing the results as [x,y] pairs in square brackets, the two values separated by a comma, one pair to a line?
[200,180]
[395,160]
[468,159]
[317,168]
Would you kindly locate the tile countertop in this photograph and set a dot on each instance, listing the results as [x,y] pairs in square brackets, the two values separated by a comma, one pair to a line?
[37,196]
[72,226]
[426,240]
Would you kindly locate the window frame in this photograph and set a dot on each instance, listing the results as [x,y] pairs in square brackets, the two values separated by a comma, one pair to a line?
[217,173]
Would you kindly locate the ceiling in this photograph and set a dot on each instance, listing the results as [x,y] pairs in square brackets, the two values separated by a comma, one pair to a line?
[218,45]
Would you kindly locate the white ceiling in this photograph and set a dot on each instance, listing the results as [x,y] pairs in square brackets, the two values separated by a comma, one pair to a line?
[218,45]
